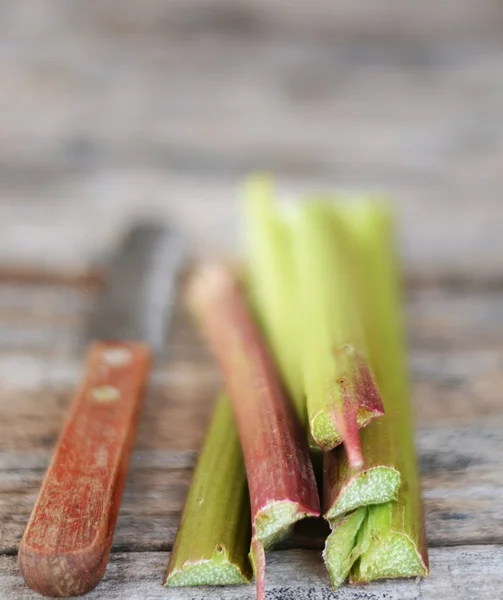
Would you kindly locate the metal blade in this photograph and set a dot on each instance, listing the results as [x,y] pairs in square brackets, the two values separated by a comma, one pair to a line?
[139,292]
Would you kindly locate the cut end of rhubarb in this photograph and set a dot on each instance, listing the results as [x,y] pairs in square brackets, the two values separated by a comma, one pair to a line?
[352,402]
[217,570]
[324,433]
[376,485]
[275,521]
[341,548]
[392,557]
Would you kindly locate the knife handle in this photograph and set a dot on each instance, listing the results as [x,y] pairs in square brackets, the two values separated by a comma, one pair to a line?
[65,548]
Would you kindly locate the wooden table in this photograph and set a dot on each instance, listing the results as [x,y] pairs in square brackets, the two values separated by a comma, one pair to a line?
[113,109]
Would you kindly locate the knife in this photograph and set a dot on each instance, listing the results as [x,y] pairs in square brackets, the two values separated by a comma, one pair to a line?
[66,545]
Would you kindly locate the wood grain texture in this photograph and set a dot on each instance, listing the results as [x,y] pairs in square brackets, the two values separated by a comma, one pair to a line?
[120,18]
[163,108]
[65,548]
[461,573]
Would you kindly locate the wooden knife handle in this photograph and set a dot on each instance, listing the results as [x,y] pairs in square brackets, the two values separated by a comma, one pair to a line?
[65,548]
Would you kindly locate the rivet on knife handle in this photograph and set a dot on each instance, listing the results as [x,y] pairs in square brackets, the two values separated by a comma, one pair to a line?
[65,548]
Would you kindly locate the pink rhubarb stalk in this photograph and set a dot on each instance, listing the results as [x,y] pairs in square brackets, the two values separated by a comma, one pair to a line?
[280,475]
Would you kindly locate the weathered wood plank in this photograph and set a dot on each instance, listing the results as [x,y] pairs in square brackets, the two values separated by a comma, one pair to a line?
[468,246]
[461,573]
[170,127]
[461,468]
[455,356]
[462,236]
[440,315]
[252,18]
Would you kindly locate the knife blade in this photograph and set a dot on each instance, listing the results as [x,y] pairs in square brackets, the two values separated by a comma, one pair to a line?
[66,545]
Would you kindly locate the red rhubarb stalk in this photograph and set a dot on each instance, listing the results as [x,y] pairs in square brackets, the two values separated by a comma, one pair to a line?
[275,450]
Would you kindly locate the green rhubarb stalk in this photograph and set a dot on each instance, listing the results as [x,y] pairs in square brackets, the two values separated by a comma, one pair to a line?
[395,531]
[341,550]
[213,539]
[341,392]
[391,540]
[378,480]
[276,455]
[272,284]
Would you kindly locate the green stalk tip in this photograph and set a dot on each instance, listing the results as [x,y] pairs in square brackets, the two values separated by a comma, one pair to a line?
[391,540]
[341,550]
[341,392]
[211,545]
[345,490]
[217,570]
[389,553]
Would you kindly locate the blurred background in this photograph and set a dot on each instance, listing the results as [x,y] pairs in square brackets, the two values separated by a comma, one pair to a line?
[114,108]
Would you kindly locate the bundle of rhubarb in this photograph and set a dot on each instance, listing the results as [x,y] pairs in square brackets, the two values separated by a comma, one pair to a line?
[310,343]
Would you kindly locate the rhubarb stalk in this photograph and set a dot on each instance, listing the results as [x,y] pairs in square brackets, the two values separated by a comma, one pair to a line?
[378,480]
[341,392]
[341,551]
[391,539]
[212,542]
[395,531]
[272,283]
[281,481]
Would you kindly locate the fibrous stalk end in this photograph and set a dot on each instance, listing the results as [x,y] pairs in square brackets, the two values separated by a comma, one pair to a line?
[217,570]
[395,556]
[376,485]
[353,400]
[276,519]
[340,550]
